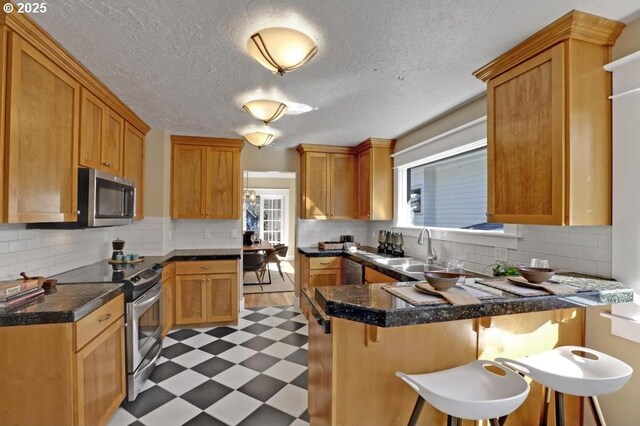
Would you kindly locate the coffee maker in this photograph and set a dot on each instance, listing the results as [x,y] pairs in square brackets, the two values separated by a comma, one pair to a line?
[118,247]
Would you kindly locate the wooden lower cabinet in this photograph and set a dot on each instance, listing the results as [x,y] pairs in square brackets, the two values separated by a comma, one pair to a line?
[206,298]
[53,376]
[371,276]
[352,369]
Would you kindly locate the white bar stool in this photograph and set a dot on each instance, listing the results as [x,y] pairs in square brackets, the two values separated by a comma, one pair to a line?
[478,390]
[573,370]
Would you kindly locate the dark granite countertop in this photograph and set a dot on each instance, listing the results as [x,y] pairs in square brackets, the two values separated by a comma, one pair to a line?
[371,304]
[197,254]
[68,303]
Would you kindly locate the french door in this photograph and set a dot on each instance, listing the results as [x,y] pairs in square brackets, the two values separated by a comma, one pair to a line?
[268,217]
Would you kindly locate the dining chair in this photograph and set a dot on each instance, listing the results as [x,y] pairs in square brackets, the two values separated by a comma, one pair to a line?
[255,262]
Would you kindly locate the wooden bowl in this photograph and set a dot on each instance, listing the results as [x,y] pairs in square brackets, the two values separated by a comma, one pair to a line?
[536,275]
[441,280]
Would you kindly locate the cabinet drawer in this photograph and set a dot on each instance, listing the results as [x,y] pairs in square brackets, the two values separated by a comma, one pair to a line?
[168,271]
[97,321]
[206,267]
[325,263]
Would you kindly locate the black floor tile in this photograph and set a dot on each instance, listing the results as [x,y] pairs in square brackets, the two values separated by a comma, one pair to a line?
[259,362]
[203,419]
[165,370]
[290,326]
[258,343]
[305,416]
[136,423]
[183,334]
[302,381]
[262,387]
[256,328]
[286,314]
[217,347]
[206,394]
[256,316]
[267,415]
[301,356]
[176,350]
[295,339]
[220,331]
[213,367]
[148,401]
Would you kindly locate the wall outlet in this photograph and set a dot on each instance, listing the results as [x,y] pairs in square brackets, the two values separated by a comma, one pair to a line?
[501,254]
[207,234]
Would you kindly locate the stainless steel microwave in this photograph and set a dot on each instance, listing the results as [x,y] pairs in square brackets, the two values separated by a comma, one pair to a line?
[103,200]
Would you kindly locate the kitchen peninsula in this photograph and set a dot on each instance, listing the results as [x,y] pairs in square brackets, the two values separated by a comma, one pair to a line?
[360,335]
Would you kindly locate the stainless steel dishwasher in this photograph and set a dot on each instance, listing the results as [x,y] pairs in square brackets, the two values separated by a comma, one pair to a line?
[353,272]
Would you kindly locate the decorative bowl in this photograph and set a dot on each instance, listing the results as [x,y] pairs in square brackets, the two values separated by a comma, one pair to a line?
[536,275]
[441,280]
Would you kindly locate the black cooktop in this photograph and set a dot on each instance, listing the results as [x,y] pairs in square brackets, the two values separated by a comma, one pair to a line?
[131,275]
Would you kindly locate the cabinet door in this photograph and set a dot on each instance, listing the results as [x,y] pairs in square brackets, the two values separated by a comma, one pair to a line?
[168,289]
[342,194]
[371,276]
[325,277]
[525,142]
[100,369]
[92,117]
[134,164]
[364,185]
[112,142]
[315,202]
[42,146]
[222,298]
[188,182]
[223,180]
[191,299]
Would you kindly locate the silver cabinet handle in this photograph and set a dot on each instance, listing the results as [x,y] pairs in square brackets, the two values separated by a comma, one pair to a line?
[104,317]
[206,267]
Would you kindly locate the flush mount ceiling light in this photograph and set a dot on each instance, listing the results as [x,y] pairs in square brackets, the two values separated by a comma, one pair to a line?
[259,139]
[265,110]
[281,49]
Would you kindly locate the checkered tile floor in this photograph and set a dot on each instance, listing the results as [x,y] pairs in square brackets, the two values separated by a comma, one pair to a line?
[254,373]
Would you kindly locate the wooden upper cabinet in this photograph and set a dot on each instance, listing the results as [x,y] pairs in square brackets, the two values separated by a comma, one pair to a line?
[205,178]
[188,181]
[549,125]
[43,104]
[374,185]
[315,185]
[101,135]
[223,183]
[342,202]
[133,168]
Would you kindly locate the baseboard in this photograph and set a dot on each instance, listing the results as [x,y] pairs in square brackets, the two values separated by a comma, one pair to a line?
[296,301]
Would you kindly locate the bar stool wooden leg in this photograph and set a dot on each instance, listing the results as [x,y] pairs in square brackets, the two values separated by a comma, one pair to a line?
[559,408]
[544,413]
[597,412]
[494,422]
[417,409]
[502,420]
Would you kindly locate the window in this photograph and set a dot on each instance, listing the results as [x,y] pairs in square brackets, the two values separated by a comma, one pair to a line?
[449,192]
[268,217]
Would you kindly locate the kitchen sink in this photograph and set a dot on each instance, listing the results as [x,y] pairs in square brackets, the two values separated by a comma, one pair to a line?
[418,268]
[400,262]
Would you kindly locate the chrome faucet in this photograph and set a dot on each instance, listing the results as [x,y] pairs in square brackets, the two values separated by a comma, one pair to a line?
[431,252]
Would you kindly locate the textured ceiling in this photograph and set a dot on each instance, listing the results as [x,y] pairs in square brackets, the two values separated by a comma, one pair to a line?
[383,67]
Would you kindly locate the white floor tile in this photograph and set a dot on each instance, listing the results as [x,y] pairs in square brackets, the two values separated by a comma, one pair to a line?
[168,341]
[285,370]
[270,310]
[121,418]
[233,408]
[272,321]
[244,313]
[242,323]
[291,399]
[237,354]
[275,334]
[305,346]
[294,309]
[238,337]
[300,318]
[279,350]
[175,412]
[183,382]
[299,422]
[199,340]
[147,384]
[161,360]
[192,358]
[236,376]
[304,330]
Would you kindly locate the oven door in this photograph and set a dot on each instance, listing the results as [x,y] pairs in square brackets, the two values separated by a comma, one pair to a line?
[144,326]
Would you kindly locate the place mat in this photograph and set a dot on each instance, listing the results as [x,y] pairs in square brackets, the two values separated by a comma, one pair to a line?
[553,288]
[520,290]
[415,297]
[454,295]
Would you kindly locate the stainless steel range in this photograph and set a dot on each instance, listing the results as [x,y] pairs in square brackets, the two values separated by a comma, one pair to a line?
[143,312]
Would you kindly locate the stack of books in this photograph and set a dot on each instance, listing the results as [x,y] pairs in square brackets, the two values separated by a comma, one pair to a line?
[18,294]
